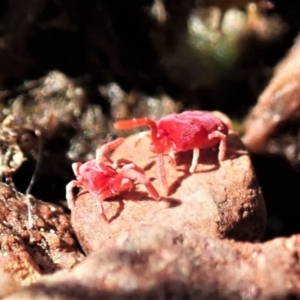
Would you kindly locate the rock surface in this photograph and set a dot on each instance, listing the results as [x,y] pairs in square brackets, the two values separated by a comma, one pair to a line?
[163,264]
[279,103]
[27,253]
[17,267]
[216,201]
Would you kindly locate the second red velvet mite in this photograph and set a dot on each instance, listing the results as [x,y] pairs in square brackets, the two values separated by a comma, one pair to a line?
[104,178]
[189,130]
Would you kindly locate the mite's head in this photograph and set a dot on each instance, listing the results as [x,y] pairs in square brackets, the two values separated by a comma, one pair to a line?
[160,142]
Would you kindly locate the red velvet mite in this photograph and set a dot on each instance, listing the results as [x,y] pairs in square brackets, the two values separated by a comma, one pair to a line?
[102,178]
[189,130]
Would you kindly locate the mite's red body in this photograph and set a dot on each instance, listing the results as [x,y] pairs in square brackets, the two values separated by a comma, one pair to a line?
[190,130]
[102,178]
[99,178]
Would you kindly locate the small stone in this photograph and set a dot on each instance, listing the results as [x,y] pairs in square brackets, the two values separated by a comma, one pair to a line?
[215,201]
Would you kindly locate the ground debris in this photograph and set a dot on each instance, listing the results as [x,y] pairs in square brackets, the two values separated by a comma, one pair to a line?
[47,247]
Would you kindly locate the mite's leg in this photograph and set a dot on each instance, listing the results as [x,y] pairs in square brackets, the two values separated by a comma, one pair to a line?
[222,148]
[162,174]
[69,193]
[101,152]
[101,209]
[171,154]
[193,166]
[121,162]
[102,197]
[135,173]
[75,168]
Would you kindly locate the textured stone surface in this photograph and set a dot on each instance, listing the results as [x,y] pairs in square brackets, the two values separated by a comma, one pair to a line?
[162,264]
[278,103]
[17,267]
[26,254]
[218,200]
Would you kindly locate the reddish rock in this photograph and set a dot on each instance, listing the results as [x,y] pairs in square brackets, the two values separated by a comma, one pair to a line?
[27,253]
[216,201]
[162,264]
[279,103]
[17,267]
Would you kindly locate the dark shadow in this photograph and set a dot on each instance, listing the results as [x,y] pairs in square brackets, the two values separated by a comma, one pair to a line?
[235,147]
[135,195]
[139,196]
[234,154]
[119,211]
[176,184]
[81,192]
[279,182]
[149,165]
[207,156]
[173,202]
[208,160]
[207,170]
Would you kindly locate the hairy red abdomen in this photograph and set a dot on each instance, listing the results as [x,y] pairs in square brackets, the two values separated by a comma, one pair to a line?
[190,129]
[94,178]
